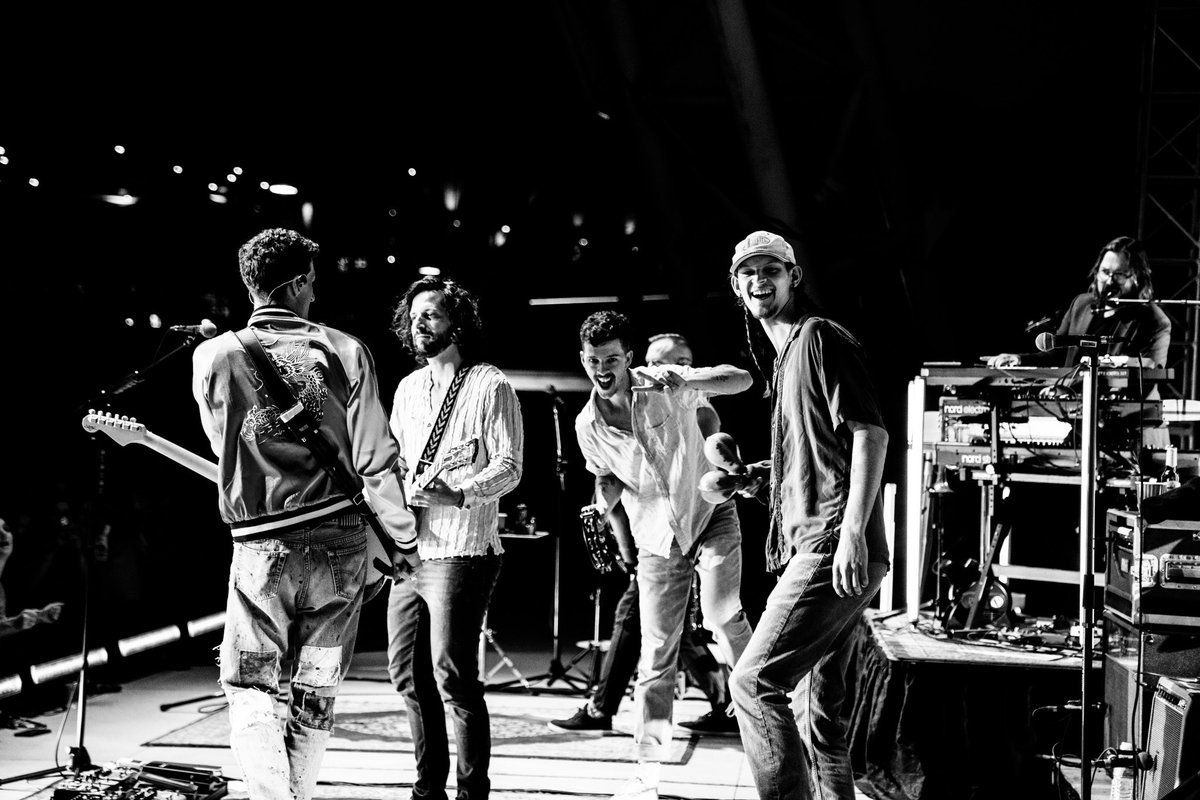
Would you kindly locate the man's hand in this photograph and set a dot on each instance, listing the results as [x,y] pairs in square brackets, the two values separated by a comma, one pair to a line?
[755,477]
[437,493]
[850,565]
[404,564]
[50,613]
[663,378]
[1004,360]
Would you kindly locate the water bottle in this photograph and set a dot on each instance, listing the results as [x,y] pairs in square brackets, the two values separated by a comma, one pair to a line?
[1170,473]
[1122,777]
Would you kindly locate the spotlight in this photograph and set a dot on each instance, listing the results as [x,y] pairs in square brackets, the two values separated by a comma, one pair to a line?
[51,670]
[212,622]
[10,685]
[148,640]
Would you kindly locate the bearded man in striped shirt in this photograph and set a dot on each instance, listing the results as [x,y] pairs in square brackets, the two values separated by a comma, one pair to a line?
[458,424]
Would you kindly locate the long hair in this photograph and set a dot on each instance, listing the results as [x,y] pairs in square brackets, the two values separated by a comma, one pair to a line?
[1133,254]
[462,308]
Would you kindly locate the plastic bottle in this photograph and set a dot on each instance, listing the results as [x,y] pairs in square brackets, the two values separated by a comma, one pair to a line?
[1170,473]
[1122,777]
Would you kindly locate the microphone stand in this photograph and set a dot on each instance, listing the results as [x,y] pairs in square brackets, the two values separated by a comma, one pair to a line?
[557,671]
[81,760]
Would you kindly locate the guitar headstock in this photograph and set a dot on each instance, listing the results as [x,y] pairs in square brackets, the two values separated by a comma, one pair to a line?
[122,430]
[460,455]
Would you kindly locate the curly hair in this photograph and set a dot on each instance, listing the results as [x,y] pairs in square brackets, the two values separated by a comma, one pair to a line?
[274,257]
[1133,254]
[462,307]
[605,326]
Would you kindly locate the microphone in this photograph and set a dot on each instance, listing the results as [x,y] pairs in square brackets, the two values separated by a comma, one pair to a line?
[1049,341]
[207,328]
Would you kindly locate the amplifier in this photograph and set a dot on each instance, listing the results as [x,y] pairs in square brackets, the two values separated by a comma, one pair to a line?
[1174,741]
[1153,572]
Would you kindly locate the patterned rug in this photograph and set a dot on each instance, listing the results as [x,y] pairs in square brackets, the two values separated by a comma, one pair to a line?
[379,723]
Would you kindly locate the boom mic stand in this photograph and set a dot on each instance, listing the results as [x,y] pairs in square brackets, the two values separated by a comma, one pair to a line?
[80,760]
[578,684]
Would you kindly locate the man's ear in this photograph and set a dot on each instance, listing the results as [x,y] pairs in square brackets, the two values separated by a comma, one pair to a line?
[797,273]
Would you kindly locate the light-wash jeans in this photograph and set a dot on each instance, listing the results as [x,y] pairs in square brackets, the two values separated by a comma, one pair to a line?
[799,647]
[300,593]
[434,620]
[663,586]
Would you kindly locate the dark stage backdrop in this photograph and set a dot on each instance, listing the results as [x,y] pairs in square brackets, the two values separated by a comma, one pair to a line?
[953,169]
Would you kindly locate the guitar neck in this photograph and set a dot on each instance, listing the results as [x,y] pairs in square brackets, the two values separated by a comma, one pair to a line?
[201,466]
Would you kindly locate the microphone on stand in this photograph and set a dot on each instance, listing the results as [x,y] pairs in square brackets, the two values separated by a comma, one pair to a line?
[207,328]
[1049,341]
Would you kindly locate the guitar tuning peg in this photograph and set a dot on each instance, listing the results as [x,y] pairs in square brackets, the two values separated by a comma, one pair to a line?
[133,420]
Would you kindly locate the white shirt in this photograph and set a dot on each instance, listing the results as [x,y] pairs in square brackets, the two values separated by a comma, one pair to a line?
[487,412]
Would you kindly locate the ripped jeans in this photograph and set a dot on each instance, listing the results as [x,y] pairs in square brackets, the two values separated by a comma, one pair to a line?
[307,584]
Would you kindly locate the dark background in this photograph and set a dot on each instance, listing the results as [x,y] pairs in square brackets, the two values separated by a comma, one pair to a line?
[950,170]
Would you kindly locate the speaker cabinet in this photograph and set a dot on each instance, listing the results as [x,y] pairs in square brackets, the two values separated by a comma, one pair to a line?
[1174,739]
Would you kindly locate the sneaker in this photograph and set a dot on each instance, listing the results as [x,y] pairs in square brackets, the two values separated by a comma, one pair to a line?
[714,723]
[636,789]
[582,720]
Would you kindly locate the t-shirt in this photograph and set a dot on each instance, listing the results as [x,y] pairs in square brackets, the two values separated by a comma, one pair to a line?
[821,381]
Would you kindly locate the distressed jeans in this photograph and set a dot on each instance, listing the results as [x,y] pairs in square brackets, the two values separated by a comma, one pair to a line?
[434,621]
[799,647]
[663,586]
[300,593]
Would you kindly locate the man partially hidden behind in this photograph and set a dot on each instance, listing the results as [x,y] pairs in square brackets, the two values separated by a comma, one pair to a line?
[299,547]
[826,539]
[639,436]
[470,410]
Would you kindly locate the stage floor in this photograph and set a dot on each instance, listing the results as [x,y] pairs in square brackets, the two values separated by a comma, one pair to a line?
[120,726]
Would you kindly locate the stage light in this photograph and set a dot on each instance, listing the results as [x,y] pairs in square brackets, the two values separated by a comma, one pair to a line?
[264,186]
[505,229]
[129,323]
[630,226]
[212,187]
[3,151]
[178,170]
[412,172]
[499,239]
[237,170]
[457,223]
[3,159]
[285,189]
[52,670]
[306,214]
[430,271]
[450,198]
[583,242]
[148,640]
[391,259]
[220,199]
[232,178]
[391,212]
[577,220]
[650,298]
[10,685]
[118,199]
[572,301]
[155,321]
[119,150]
[213,622]
[889,533]
[34,182]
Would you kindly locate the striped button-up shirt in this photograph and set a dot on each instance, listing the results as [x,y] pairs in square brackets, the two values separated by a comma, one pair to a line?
[487,412]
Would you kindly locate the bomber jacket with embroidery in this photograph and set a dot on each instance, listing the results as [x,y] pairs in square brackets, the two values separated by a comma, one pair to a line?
[269,482]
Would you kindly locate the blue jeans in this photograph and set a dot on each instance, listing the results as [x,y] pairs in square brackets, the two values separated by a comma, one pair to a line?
[302,591]
[799,646]
[663,586]
[626,643]
[434,620]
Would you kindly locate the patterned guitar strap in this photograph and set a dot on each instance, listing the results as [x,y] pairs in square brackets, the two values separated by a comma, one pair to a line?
[442,422]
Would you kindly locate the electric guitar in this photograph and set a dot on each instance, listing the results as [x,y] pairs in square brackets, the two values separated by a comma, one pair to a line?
[126,430]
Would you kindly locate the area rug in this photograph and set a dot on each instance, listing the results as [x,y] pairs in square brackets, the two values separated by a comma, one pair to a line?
[358,791]
[379,723]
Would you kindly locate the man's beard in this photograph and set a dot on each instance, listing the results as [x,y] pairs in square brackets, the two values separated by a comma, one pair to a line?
[433,346]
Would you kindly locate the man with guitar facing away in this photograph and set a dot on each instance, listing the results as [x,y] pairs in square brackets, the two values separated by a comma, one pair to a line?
[639,437]
[300,543]
[458,423]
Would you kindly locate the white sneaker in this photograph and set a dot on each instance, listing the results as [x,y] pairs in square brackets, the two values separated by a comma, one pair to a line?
[636,789]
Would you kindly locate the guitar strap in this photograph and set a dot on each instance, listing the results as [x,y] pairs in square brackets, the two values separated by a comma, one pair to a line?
[299,420]
[443,419]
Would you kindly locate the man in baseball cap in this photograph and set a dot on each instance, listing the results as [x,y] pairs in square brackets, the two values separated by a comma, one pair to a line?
[763,243]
